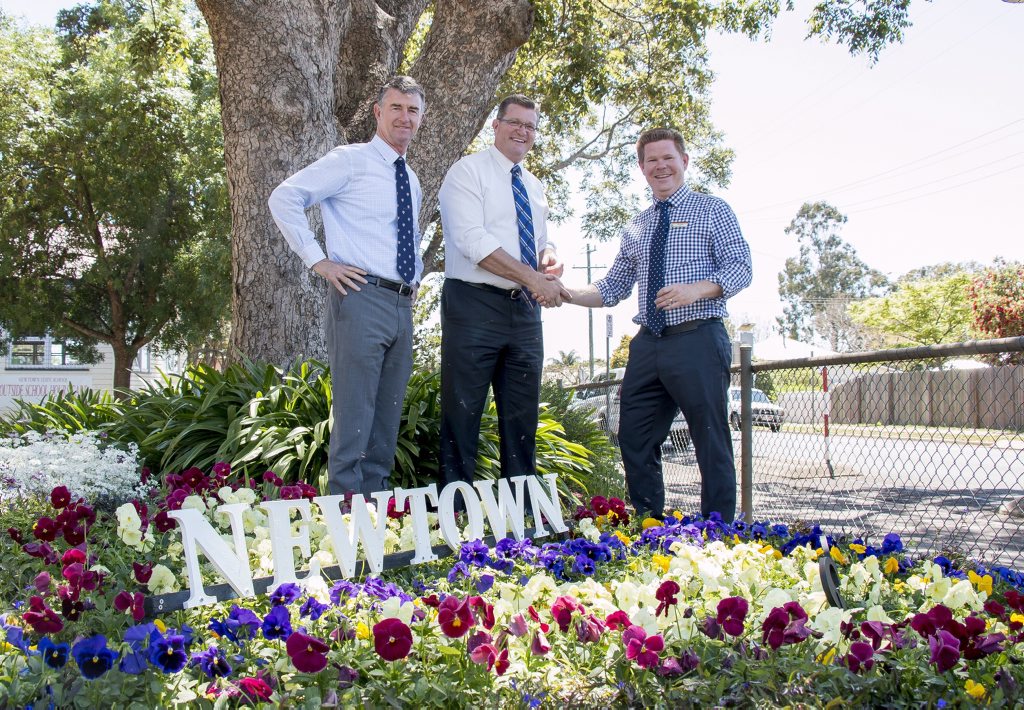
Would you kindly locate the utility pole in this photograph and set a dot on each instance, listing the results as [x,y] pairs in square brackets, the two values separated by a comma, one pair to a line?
[590,311]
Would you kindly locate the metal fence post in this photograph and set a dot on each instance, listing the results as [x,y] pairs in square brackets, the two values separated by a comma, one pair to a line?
[746,433]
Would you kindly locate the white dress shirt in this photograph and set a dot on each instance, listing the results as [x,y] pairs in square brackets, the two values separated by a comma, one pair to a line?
[355,188]
[478,215]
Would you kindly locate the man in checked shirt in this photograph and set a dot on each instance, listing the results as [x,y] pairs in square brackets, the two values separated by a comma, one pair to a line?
[688,256]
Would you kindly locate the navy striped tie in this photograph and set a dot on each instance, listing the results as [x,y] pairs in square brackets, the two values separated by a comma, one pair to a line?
[656,270]
[524,219]
[406,252]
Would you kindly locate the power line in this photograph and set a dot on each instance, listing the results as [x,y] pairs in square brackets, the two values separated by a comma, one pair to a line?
[870,178]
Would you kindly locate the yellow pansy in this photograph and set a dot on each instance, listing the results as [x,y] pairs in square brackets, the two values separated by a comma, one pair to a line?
[1017,617]
[859,549]
[651,523]
[827,657]
[677,515]
[661,562]
[362,630]
[817,553]
[160,626]
[625,539]
[600,521]
[983,584]
[975,690]
[838,556]
[892,565]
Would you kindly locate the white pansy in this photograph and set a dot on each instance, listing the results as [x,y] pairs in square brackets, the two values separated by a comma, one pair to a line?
[128,517]
[775,597]
[395,607]
[227,495]
[962,594]
[877,613]
[163,581]
[829,622]
[588,530]
[627,594]
[644,616]
[194,502]
[246,495]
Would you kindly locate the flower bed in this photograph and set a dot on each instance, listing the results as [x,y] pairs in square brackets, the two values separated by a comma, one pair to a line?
[679,613]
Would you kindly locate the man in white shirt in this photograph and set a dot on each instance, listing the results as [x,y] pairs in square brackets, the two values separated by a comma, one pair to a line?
[370,202]
[499,267]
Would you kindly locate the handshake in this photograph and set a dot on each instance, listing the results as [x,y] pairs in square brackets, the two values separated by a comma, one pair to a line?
[548,291]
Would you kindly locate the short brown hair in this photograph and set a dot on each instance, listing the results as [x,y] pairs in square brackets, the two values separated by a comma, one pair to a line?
[404,84]
[518,100]
[659,134]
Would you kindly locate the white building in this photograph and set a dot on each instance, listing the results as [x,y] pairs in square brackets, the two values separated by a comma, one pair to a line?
[35,367]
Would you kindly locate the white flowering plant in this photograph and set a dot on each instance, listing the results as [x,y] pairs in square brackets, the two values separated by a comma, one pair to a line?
[91,468]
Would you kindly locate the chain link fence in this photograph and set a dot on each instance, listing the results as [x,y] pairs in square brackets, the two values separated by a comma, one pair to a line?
[926,442]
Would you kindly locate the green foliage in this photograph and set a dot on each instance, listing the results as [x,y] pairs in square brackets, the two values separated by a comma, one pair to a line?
[76,410]
[114,220]
[259,417]
[817,285]
[925,311]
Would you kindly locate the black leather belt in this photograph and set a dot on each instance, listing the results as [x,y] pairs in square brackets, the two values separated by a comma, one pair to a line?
[402,289]
[506,292]
[684,327]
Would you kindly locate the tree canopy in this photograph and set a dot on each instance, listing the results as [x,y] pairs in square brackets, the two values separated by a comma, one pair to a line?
[920,311]
[826,276]
[113,210]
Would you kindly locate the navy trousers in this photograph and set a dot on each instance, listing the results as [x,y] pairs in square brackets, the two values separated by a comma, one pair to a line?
[690,371]
[489,340]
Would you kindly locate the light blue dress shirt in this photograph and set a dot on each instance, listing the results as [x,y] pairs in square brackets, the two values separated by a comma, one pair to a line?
[355,188]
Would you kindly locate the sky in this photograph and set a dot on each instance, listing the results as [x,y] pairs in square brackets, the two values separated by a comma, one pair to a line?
[923,151]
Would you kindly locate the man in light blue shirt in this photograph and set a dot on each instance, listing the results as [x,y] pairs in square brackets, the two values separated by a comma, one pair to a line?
[369,201]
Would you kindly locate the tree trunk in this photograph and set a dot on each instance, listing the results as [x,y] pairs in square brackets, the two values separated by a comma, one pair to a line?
[124,358]
[298,78]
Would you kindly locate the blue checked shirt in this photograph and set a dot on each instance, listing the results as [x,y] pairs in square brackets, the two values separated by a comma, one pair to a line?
[704,243]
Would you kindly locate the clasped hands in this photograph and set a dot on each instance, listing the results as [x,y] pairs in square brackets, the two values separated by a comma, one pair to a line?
[547,288]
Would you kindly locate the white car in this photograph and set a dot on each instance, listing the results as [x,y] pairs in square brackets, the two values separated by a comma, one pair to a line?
[603,399]
[763,411]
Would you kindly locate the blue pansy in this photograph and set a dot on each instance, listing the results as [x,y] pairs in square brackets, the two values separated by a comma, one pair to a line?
[584,565]
[285,593]
[55,655]
[169,652]
[484,584]
[312,608]
[475,553]
[277,623]
[93,657]
[135,661]
[212,662]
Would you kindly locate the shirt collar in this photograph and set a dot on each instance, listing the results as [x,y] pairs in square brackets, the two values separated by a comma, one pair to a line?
[504,163]
[676,198]
[386,152]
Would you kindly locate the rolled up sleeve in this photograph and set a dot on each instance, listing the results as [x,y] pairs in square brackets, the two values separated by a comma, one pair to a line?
[730,252]
[462,214]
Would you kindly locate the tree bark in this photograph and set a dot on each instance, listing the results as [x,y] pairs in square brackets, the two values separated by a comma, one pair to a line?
[300,77]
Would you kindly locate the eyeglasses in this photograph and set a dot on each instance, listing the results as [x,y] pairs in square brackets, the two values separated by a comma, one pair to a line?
[515,124]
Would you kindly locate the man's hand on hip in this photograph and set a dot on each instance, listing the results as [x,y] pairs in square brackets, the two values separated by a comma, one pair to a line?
[341,276]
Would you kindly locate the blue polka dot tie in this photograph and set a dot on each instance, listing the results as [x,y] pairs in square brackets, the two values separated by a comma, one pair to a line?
[406,259]
[656,270]
[524,218]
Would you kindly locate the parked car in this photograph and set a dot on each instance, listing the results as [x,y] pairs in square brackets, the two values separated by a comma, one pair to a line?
[603,400]
[763,411]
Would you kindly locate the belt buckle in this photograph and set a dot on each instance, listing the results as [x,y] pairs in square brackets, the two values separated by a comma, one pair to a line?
[515,293]
[404,289]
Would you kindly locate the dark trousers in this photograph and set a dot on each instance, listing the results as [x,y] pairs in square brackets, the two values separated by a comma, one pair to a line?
[690,371]
[488,340]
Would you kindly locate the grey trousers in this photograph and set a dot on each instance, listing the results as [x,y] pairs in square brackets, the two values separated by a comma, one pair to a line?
[369,344]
